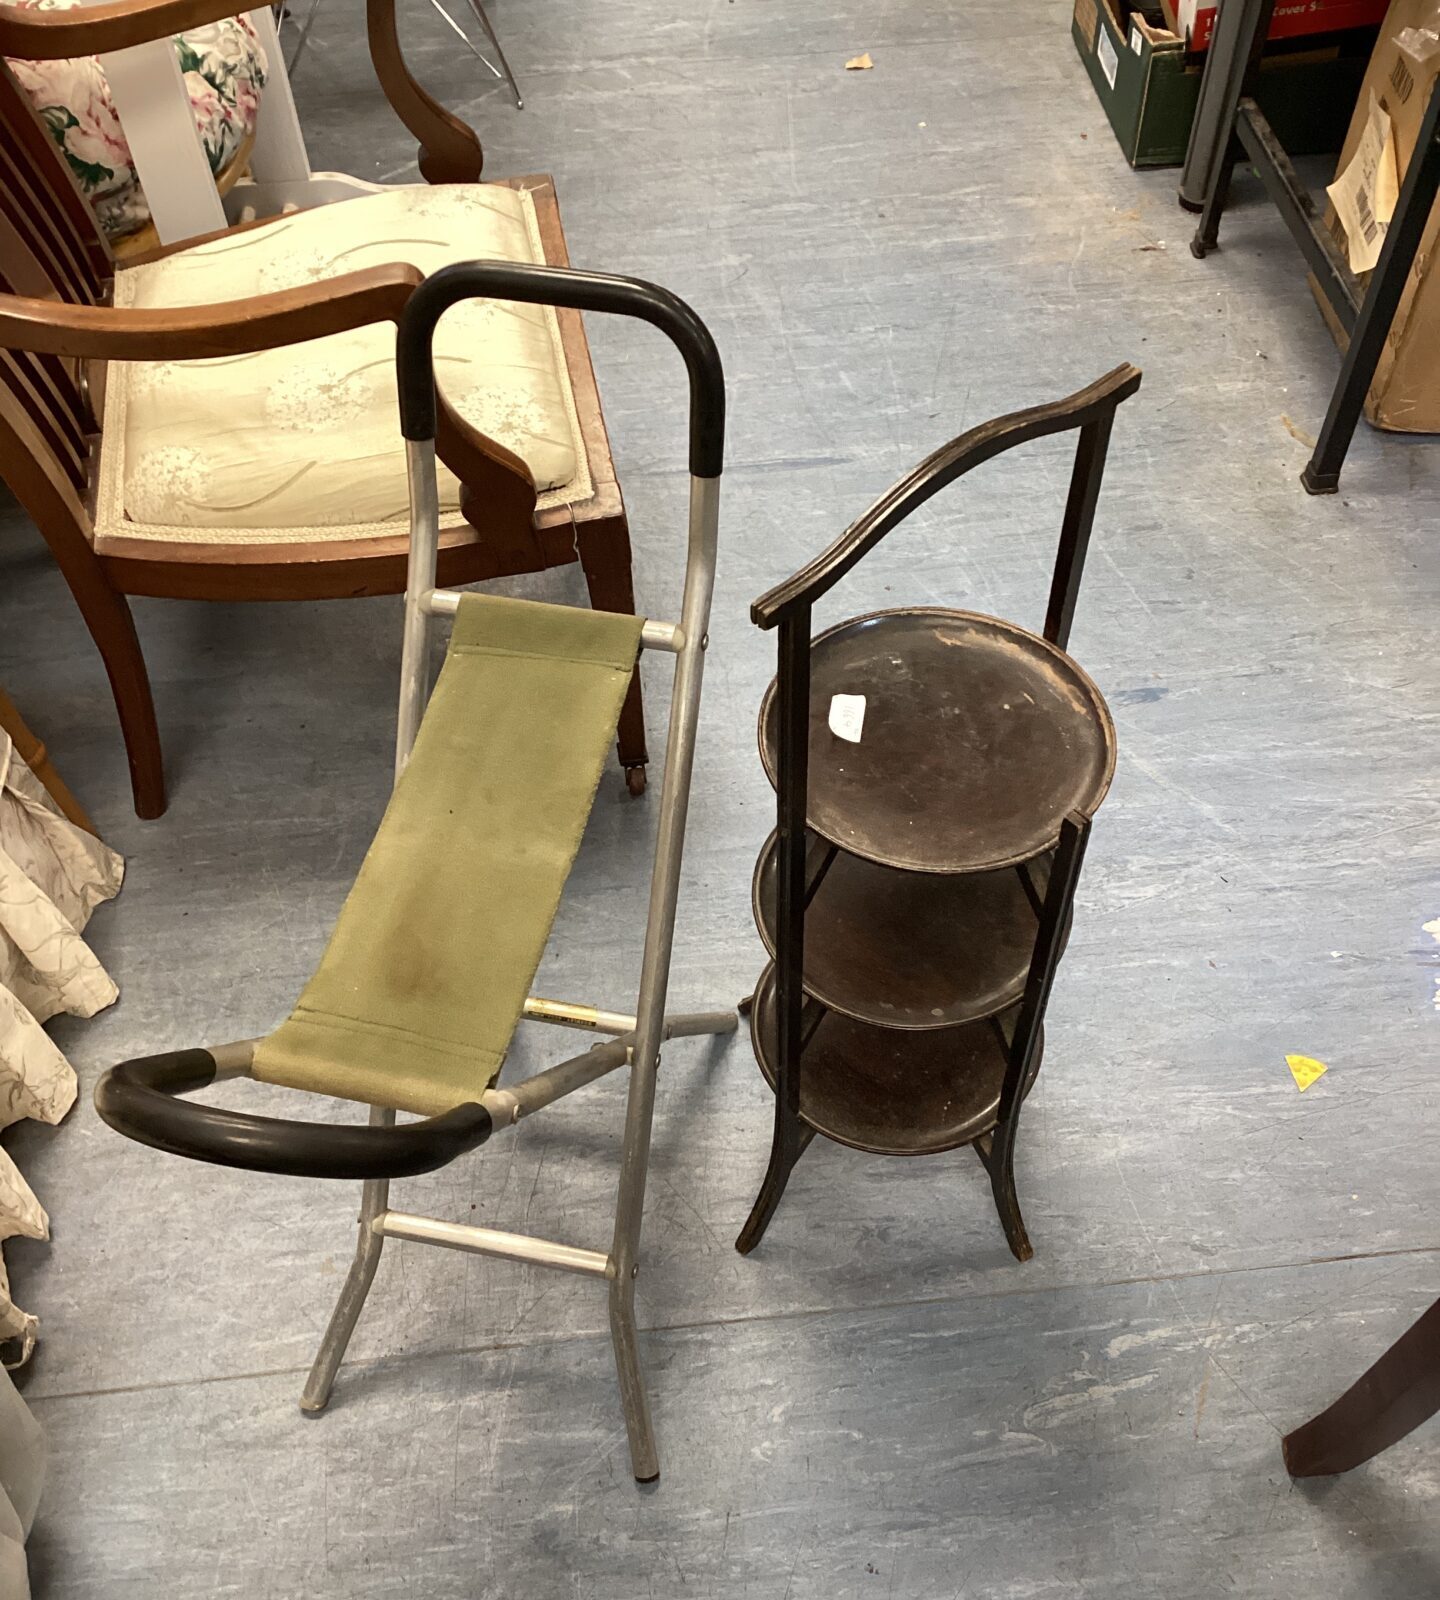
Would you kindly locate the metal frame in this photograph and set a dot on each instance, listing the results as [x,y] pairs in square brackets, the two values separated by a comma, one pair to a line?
[481,16]
[1227,107]
[143,1098]
[639,1036]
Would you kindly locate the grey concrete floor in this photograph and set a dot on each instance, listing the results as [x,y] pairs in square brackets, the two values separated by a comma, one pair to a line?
[879,1402]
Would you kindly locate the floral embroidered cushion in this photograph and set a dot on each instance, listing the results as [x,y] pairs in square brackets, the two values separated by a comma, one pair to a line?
[303,442]
[224,69]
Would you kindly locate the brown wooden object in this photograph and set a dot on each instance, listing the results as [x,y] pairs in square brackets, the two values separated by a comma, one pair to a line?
[57,332]
[916,895]
[33,753]
[1393,1398]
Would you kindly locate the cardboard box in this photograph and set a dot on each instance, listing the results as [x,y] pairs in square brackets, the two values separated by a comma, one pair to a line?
[1194,20]
[1149,90]
[1405,392]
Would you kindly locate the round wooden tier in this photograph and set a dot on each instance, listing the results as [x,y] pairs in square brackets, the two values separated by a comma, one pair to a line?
[888,1090]
[910,949]
[979,737]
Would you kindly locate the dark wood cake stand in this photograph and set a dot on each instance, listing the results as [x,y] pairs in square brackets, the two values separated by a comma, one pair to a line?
[916,894]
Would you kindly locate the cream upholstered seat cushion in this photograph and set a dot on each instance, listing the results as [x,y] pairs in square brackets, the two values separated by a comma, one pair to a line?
[303,443]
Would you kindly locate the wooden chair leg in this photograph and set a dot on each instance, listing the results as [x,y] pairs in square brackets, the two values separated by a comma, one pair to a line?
[107,615]
[33,753]
[1393,1398]
[604,549]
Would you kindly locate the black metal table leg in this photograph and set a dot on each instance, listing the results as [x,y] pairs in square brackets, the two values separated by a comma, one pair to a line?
[1226,63]
[1230,71]
[1377,309]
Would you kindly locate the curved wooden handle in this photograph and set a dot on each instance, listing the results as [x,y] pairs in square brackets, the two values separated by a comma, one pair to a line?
[1094,403]
[230,327]
[449,148]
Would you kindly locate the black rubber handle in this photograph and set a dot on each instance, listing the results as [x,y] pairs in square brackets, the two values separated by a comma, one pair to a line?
[140,1099]
[583,291]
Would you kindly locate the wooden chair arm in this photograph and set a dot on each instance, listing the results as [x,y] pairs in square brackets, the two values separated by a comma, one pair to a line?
[95,29]
[449,148]
[496,478]
[1093,404]
[231,327]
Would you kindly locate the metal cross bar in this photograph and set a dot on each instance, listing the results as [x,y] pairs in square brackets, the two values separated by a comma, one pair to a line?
[492,1242]
[666,636]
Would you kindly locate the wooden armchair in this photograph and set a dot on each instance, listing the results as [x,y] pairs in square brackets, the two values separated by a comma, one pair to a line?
[217,420]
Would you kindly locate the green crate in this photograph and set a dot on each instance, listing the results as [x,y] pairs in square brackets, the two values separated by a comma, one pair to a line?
[1149,89]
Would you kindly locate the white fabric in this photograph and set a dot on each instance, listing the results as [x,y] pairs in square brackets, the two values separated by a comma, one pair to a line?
[304,442]
[52,875]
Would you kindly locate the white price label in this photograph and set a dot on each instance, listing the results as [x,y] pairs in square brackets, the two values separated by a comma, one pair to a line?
[847,716]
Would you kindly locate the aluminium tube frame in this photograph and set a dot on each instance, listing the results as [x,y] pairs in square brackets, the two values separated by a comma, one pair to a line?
[687,641]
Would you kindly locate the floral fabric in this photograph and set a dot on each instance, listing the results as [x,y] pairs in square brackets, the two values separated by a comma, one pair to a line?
[224,69]
[52,875]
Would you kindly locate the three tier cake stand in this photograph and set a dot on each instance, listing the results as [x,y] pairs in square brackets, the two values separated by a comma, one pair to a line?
[935,774]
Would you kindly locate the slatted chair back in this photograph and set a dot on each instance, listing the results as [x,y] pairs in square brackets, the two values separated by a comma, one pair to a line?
[50,248]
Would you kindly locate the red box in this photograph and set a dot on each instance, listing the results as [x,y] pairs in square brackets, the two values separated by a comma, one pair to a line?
[1194,20]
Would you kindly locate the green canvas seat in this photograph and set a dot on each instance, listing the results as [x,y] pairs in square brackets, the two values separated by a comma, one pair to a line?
[423,981]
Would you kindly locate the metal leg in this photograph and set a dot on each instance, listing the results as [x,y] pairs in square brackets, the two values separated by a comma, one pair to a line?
[482,16]
[1377,310]
[1240,32]
[644,1456]
[304,38]
[655,970]
[374,1198]
[465,39]
[700,1024]
[1211,131]
[1207,231]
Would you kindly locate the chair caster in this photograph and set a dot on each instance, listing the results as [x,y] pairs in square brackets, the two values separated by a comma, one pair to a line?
[635,780]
